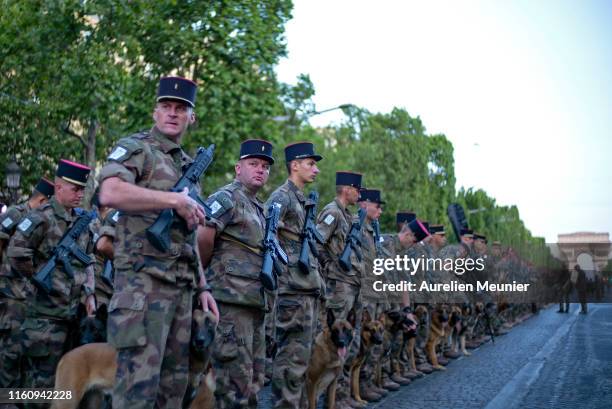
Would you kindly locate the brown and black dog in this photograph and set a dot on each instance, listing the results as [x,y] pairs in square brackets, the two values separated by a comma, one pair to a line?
[328,356]
[89,371]
[437,329]
[372,333]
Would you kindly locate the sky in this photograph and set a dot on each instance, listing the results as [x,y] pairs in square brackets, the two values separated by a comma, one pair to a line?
[523,90]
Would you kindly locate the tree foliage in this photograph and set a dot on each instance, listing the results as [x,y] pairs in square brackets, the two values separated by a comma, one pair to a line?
[76,76]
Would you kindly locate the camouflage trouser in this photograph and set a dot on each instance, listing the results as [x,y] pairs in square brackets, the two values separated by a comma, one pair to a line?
[372,363]
[12,315]
[43,343]
[296,324]
[149,323]
[341,298]
[269,324]
[387,345]
[239,356]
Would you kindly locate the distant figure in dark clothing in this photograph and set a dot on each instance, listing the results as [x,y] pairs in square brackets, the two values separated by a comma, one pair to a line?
[581,286]
[565,289]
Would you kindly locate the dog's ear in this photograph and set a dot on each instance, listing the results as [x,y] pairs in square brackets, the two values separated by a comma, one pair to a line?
[366,318]
[330,318]
[102,313]
[352,317]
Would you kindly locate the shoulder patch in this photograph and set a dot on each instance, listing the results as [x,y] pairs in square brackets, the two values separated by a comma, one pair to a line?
[219,203]
[25,225]
[329,219]
[7,223]
[125,148]
[117,153]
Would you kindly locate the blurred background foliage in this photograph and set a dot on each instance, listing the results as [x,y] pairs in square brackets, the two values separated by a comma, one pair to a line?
[75,76]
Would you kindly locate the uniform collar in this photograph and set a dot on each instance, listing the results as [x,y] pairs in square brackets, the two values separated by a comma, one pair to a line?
[165,143]
[341,206]
[292,187]
[252,196]
[60,210]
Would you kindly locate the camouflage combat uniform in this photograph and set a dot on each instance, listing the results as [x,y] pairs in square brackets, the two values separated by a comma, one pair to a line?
[49,316]
[233,273]
[296,312]
[149,318]
[375,302]
[14,289]
[99,228]
[343,287]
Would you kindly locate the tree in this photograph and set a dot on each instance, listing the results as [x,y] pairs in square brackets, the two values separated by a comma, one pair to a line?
[76,76]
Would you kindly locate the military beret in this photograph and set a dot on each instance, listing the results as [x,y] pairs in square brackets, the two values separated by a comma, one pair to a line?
[348,179]
[72,172]
[256,148]
[177,89]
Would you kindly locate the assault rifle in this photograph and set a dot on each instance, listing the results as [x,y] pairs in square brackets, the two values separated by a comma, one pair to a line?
[270,269]
[310,234]
[380,250]
[158,233]
[108,273]
[64,252]
[353,242]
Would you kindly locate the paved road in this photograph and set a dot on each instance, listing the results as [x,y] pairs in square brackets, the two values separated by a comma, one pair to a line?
[549,361]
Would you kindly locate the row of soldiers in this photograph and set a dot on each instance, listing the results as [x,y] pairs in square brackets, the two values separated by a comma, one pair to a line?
[214,256]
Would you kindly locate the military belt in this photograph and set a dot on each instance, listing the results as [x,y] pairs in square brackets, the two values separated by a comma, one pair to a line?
[252,249]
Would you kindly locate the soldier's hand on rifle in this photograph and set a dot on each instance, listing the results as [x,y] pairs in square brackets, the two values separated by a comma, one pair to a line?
[190,210]
[90,305]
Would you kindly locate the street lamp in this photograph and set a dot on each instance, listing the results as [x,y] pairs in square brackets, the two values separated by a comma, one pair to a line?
[13,179]
[287,118]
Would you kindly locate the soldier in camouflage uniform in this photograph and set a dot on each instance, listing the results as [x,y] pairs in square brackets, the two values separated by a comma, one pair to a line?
[374,302]
[14,288]
[149,320]
[417,248]
[395,244]
[343,287]
[103,231]
[234,256]
[298,293]
[50,315]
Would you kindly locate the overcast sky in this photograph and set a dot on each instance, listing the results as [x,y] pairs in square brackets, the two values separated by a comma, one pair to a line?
[523,89]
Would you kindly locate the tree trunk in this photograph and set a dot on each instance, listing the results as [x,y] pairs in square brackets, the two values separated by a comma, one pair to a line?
[90,160]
